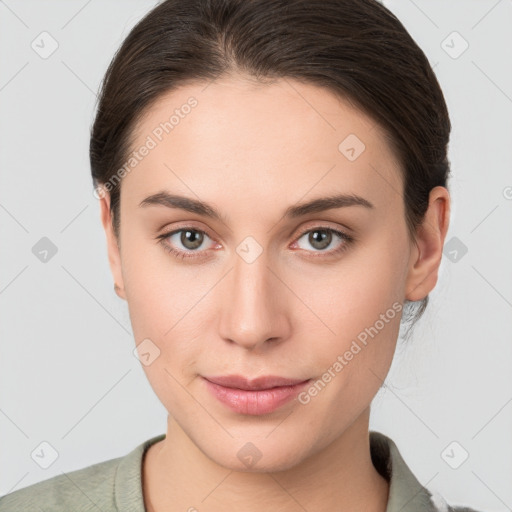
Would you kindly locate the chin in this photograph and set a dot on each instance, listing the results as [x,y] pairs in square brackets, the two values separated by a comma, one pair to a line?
[257,456]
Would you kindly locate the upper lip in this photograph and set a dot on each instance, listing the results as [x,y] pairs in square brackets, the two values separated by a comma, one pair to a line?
[264,382]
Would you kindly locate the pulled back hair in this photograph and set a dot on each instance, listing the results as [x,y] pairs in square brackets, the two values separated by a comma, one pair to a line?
[355,48]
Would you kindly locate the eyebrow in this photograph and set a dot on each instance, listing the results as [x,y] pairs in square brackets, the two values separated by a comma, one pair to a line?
[206,210]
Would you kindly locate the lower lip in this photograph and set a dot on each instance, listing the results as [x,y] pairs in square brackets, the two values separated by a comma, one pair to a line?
[255,403]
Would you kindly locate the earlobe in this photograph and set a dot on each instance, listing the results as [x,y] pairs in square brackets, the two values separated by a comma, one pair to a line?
[119,291]
[114,256]
[430,236]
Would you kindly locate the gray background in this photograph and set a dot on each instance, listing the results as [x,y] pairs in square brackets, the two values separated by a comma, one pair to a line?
[67,373]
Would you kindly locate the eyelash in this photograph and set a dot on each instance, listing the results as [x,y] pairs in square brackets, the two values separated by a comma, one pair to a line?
[348,240]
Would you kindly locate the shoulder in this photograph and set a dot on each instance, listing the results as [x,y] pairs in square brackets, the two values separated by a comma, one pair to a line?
[81,489]
[406,493]
[442,506]
[461,509]
[108,486]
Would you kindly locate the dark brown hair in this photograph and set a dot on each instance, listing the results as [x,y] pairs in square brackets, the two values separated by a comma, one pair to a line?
[356,48]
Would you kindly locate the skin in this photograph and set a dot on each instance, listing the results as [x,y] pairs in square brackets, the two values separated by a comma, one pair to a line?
[252,150]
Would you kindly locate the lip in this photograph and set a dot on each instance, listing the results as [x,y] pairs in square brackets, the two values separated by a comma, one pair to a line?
[258,396]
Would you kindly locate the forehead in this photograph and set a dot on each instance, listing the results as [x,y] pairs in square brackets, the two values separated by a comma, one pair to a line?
[286,137]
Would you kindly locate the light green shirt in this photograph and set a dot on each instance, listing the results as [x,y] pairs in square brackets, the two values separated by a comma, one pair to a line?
[115,485]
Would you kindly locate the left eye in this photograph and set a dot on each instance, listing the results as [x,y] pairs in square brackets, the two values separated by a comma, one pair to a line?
[320,238]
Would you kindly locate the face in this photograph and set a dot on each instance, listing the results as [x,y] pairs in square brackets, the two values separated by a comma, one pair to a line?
[264,288]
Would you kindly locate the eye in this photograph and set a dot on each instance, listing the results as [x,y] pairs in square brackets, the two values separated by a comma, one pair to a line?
[322,237]
[185,242]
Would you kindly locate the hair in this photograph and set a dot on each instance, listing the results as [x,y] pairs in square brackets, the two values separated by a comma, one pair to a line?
[357,49]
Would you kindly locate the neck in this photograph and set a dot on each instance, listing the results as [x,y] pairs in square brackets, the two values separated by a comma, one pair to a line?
[341,477]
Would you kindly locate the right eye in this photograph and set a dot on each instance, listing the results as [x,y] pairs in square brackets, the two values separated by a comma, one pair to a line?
[190,238]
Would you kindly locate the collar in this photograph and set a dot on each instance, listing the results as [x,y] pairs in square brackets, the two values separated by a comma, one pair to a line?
[128,480]
[406,494]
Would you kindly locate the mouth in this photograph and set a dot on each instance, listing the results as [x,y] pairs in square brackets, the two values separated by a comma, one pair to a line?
[262,395]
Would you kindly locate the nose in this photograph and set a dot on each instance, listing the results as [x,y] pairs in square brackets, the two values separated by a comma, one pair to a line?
[253,305]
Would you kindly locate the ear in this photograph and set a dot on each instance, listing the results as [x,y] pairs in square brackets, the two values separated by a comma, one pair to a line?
[430,236]
[114,256]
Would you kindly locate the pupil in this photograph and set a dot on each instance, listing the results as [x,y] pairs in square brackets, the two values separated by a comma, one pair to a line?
[325,239]
[191,244]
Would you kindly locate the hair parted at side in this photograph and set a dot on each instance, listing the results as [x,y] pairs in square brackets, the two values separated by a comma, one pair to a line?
[356,48]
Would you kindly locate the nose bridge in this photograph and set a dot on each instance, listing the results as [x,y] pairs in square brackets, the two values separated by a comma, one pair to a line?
[252,313]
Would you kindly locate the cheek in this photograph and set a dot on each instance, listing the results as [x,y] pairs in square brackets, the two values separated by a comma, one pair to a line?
[160,292]
[163,301]
[359,303]
[163,309]
[352,295]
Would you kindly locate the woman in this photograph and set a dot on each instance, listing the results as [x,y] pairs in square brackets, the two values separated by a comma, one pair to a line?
[272,178]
